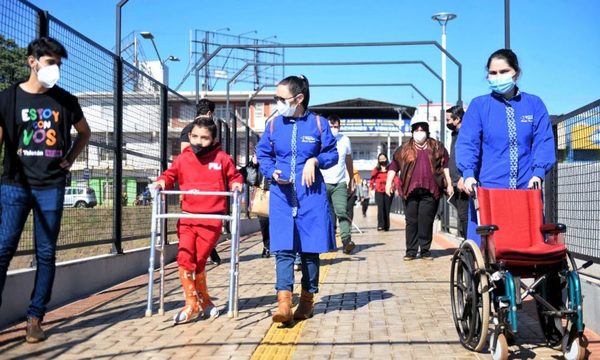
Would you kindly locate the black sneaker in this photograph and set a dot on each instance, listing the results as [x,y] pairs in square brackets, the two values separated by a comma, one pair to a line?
[348,247]
[265,253]
[409,258]
[215,258]
[34,332]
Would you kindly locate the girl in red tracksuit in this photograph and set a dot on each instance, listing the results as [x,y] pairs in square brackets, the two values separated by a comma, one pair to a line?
[201,166]
[383,200]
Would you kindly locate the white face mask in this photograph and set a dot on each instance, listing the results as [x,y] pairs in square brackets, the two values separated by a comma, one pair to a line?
[285,109]
[420,136]
[335,131]
[48,75]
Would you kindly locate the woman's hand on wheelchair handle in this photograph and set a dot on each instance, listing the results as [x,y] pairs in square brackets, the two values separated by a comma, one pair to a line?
[468,185]
[533,181]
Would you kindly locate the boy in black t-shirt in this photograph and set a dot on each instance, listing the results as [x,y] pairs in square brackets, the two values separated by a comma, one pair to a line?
[35,125]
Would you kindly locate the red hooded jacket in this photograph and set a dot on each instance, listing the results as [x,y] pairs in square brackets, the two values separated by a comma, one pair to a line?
[208,172]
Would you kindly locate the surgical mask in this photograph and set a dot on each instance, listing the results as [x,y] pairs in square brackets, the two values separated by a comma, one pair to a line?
[48,75]
[200,150]
[285,109]
[451,127]
[335,131]
[502,85]
[420,136]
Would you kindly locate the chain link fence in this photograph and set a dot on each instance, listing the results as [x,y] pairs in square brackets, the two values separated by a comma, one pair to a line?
[135,133]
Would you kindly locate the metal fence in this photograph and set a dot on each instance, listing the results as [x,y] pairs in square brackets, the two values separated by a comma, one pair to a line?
[573,188]
[135,122]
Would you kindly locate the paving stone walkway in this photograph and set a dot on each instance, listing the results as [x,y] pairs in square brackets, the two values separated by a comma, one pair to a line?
[371,305]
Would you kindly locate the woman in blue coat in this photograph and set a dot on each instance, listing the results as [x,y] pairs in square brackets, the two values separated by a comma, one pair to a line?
[293,147]
[506,139]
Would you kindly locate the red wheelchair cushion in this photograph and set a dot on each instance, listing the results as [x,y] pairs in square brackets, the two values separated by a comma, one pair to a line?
[519,216]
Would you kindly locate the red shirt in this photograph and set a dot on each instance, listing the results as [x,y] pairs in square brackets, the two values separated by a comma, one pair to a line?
[378,179]
[209,172]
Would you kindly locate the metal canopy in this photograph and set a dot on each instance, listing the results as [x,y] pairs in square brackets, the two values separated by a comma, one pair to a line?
[360,108]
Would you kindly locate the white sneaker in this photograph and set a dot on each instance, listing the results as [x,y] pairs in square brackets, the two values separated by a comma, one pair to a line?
[211,313]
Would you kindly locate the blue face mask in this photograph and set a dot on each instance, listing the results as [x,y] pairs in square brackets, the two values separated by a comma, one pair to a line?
[502,85]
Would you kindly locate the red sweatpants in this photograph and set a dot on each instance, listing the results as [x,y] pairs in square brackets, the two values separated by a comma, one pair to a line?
[196,242]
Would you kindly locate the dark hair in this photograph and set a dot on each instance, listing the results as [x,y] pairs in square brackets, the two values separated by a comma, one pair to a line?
[208,124]
[46,46]
[334,119]
[456,112]
[507,55]
[386,159]
[204,106]
[297,85]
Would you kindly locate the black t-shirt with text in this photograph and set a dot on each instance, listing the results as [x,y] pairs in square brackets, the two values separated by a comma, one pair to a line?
[38,138]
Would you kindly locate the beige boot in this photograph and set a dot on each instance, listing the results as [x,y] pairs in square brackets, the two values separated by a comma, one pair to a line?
[34,332]
[208,308]
[306,306]
[191,310]
[284,307]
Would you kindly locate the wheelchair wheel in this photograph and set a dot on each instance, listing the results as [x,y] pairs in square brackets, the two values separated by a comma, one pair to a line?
[574,346]
[500,348]
[469,296]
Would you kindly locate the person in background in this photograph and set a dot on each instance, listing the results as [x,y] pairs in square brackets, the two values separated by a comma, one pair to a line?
[35,171]
[202,166]
[364,196]
[382,199]
[258,180]
[353,196]
[205,109]
[422,163]
[338,189]
[460,199]
[506,140]
[294,146]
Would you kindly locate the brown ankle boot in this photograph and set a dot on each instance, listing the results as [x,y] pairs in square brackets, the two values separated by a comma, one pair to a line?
[284,307]
[208,308]
[306,306]
[34,332]
[191,310]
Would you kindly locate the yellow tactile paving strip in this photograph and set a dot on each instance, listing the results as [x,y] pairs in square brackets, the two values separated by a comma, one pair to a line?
[280,342]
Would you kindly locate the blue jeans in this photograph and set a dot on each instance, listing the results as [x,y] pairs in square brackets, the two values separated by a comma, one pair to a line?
[47,204]
[284,260]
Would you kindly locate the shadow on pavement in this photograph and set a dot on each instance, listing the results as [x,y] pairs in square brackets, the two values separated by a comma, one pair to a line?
[349,300]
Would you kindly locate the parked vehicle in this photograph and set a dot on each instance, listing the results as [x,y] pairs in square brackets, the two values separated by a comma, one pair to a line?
[80,197]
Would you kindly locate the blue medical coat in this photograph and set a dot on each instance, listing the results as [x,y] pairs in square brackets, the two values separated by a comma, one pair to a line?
[311,230]
[482,147]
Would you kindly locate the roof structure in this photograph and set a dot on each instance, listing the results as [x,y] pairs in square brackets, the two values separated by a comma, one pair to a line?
[360,108]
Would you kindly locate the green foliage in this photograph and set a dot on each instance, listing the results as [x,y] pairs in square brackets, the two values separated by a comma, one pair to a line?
[12,63]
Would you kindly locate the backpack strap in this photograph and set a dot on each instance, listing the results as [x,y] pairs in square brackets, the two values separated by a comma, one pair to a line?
[271,125]
[319,124]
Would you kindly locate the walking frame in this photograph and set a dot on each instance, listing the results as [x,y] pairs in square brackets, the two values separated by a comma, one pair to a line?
[158,242]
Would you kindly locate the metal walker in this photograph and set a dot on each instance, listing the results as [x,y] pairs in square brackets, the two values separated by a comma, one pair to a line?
[158,242]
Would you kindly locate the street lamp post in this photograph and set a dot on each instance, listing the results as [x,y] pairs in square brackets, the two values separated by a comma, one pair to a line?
[443,18]
[165,75]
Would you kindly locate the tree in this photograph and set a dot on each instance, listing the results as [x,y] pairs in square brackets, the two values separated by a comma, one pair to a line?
[12,63]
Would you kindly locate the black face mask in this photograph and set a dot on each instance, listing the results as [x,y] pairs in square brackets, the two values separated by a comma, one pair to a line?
[200,150]
[383,163]
[451,127]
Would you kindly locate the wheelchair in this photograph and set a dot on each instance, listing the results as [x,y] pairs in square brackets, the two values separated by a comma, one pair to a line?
[485,280]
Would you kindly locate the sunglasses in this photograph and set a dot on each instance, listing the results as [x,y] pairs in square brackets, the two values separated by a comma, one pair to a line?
[279,98]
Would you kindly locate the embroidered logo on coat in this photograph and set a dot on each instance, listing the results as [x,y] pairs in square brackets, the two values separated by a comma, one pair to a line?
[526,118]
[309,139]
[214,166]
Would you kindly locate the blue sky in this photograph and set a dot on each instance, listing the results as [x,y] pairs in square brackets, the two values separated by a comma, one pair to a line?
[556,41]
